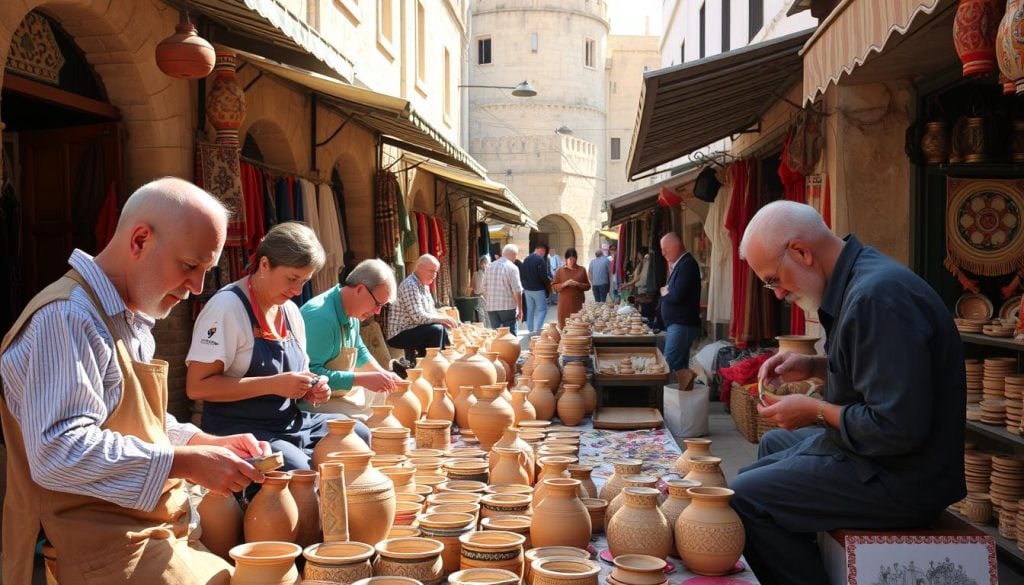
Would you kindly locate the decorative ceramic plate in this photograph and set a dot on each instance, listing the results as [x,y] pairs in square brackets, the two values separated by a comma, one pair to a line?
[1011,308]
[974,306]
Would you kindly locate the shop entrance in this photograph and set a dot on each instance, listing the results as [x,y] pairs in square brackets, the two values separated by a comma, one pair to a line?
[554,231]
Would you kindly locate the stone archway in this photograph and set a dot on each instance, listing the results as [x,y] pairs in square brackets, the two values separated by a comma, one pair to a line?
[357,182]
[272,144]
[558,232]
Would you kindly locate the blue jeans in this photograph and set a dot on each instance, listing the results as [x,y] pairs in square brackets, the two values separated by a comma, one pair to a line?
[504,318]
[536,310]
[600,292]
[678,341]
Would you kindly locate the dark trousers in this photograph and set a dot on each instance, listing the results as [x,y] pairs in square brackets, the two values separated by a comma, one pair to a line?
[415,341]
[506,318]
[787,496]
[600,291]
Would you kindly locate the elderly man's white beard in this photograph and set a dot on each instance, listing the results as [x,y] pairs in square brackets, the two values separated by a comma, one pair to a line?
[805,281]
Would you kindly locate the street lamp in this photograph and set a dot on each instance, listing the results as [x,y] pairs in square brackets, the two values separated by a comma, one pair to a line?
[564,130]
[524,89]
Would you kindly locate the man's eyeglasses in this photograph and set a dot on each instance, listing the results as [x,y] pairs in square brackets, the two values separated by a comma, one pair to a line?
[376,304]
[772,282]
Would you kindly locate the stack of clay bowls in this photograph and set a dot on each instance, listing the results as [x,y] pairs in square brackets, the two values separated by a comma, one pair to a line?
[1007,479]
[994,374]
[993,412]
[975,372]
[978,471]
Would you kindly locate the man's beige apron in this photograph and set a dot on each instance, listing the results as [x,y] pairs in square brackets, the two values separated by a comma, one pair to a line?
[354,403]
[97,541]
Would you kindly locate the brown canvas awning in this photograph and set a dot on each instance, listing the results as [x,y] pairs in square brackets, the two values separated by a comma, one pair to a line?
[636,202]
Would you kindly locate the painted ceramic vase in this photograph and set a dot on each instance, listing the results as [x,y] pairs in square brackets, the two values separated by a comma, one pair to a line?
[974,35]
[709,534]
[490,416]
[640,527]
[560,519]
[225,105]
[339,437]
[272,515]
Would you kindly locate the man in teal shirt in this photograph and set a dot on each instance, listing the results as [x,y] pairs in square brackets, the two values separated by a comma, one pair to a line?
[335,347]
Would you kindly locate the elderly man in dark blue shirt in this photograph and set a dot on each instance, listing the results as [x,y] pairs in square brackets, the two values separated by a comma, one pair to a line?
[884,449]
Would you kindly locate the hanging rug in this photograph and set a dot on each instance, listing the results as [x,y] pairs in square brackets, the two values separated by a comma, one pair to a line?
[983,225]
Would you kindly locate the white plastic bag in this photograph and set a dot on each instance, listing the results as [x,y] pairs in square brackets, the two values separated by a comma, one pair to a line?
[686,412]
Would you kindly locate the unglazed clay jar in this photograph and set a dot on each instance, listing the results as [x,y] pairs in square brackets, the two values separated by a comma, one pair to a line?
[492,505]
[339,438]
[517,524]
[706,470]
[434,434]
[597,508]
[389,441]
[677,501]
[613,486]
[415,558]
[560,519]
[441,406]
[564,571]
[510,466]
[303,488]
[221,521]
[265,563]
[383,416]
[542,399]
[407,406]
[272,515]
[483,577]
[699,447]
[492,549]
[464,400]
[370,495]
[618,501]
[639,527]
[435,367]
[490,416]
[582,472]
[472,369]
[521,407]
[709,534]
[338,562]
[507,346]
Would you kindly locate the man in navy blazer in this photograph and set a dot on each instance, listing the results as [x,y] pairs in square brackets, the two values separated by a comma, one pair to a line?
[680,302]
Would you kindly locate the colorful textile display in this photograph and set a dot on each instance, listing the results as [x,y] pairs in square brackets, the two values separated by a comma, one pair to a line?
[218,171]
[385,213]
[795,190]
[983,226]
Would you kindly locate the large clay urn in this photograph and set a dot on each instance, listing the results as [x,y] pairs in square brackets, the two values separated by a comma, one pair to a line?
[490,416]
[383,416]
[542,399]
[508,348]
[510,466]
[472,369]
[441,406]
[371,498]
[522,408]
[421,388]
[225,105]
[272,514]
[407,405]
[547,369]
[699,447]
[266,563]
[974,35]
[616,503]
[571,407]
[706,470]
[640,527]
[221,521]
[622,467]
[677,501]
[552,467]
[464,400]
[339,437]
[709,534]
[333,502]
[303,488]
[435,367]
[560,519]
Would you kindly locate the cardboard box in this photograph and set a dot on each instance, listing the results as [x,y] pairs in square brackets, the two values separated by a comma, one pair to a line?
[861,557]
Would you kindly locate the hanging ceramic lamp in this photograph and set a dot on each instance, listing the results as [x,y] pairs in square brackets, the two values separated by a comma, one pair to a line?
[974,35]
[185,54]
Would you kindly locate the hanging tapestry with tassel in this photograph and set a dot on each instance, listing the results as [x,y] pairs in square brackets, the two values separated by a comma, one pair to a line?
[983,228]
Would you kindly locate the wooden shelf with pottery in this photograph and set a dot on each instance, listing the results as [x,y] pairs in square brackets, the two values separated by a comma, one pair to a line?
[995,432]
[979,339]
[1006,546]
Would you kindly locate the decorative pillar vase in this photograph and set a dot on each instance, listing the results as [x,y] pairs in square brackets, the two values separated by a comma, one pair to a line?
[434,434]
[974,35]
[421,388]
[435,367]
[338,562]
[709,534]
[1010,43]
[339,438]
[560,519]
[934,144]
[221,521]
[564,571]
[677,501]
[706,470]
[640,527]
[582,473]
[616,504]
[464,400]
[622,467]
[333,503]
[446,528]
[542,399]
[415,558]
[472,369]
[383,416]
[492,549]
[272,514]
[571,406]
[303,488]
[441,407]
[407,405]
[370,496]
[389,441]
[225,106]
[266,563]
[699,447]
[490,416]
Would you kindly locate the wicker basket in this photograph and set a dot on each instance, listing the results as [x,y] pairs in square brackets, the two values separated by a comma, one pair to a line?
[743,407]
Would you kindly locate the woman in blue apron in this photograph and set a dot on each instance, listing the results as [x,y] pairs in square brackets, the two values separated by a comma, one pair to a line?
[248,361]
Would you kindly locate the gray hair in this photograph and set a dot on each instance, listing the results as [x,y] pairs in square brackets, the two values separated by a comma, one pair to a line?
[371,274]
[782,221]
[485,260]
[426,259]
[291,244]
[510,249]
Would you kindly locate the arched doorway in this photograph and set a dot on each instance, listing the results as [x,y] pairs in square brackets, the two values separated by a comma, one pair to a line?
[556,232]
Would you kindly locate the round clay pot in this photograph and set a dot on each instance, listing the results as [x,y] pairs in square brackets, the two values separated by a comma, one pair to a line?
[638,570]
[640,527]
[403,531]
[265,563]
[447,528]
[589,395]
[472,369]
[519,524]
[613,486]
[547,552]
[407,405]
[551,466]
[507,346]
[484,577]
[522,408]
[464,400]
[709,534]
[303,488]
[434,434]
[490,416]
[272,515]
[435,367]
[462,486]
[582,472]
[475,470]
[546,369]
[416,558]
[426,465]
[706,470]
[414,498]
[564,571]
[370,496]
[797,344]
[510,466]
[492,505]
[338,562]
[420,388]
[383,417]
[389,441]
[499,367]
[388,581]
[677,501]
[571,406]
[597,509]
[221,521]
[441,406]
[560,519]
[645,481]
[339,437]
[492,549]
[699,447]
[405,513]
[402,478]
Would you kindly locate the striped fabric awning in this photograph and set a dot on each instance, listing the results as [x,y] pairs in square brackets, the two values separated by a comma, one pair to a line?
[852,31]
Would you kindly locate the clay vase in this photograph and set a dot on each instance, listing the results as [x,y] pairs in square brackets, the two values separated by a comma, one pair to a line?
[421,388]
[582,473]
[472,369]
[548,370]
[499,368]
[507,346]
[548,552]
[441,407]
[389,441]
[542,399]
[435,367]
[699,447]
[560,519]
[492,549]
[415,558]
[407,405]
[935,143]
[510,466]
[221,521]
[370,496]
[529,364]
[402,478]
[638,570]
[339,437]
[706,470]
[463,402]
[677,501]
[434,434]
[1010,43]
[616,504]
[490,416]
[589,395]
[333,502]
[709,534]
[571,406]
[303,488]
[510,439]
[640,527]
[974,35]
[553,333]
[225,105]
[272,514]
[383,416]
[338,562]
[596,507]
[266,563]
[522,409]
[551,467]
[623,467]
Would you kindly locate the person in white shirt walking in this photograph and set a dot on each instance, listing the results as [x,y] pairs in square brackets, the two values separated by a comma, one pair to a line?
[504,291]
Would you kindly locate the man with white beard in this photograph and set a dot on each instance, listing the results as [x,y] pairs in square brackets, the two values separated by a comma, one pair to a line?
[884,449]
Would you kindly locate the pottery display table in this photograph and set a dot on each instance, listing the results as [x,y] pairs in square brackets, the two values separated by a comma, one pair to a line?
[650,340]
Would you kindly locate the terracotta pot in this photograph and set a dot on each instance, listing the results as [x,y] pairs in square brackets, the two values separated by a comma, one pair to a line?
[383,416]
[507,346]
[640,527]
[552,466]
[389,441]
[529,363]
[709,534]
[638,570]
[978,508]
[677,501]
[333,502]
[441,406]
[407,405]
[490,416]
[974,35]
[338,562]
[415,558]
[463,486]
[589,395]
[463,402]
[225,105]
[272,514]
[597,508]
[265,563]
[303,488]
[339,437]
[493,549]
[379,461]
[494,505]
[616,504]
[411,498]
[510,466]
[399,531]
[429,482]
[467,453]
[387,581]
[797,344]
[471,509]
[553,333]
[706,470]
[699,447]
[456,497]
[447,528]
[221,521]
[522,409]
[434,434]
[472,369]
[574,372]
[547,552]
[427,466]
[510,439]
[560,519]
[542,399]
[435,368]
[582,472]
[370,496]
[571,406]
[564,571]
[475,470]
[484,577]
[519,524]
[935,143]
[185,54]
[613,486]
[402,478]
[546,369]
[420,388]
[499,367]
[421,452]
[498,488]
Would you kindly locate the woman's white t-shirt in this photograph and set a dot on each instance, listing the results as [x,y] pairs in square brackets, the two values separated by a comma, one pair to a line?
[223,333]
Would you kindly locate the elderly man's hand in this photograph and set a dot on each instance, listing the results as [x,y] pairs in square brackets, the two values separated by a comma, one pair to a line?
[791,412]
[214,467]
[376,381]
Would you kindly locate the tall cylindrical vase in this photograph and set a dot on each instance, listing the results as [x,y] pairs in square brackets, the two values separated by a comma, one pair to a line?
[333,503]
